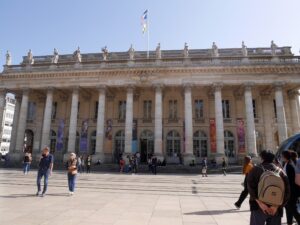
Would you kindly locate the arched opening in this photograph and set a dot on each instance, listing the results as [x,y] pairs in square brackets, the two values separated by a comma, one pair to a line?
[119,144]
[77,143]
[200,144]
[28,140]
[173,144]
[229,144]
[93,142]
[52,141]
[276,140]
[146,145]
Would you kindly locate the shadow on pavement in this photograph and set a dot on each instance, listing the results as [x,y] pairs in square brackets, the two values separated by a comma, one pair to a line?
[31,195]
[215,212]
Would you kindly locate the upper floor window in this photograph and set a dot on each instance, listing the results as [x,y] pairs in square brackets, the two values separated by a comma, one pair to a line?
[147,109]
[96,110]
[173,110]
[78,109]
[226,109]
[54,110]
[122,110]
[275,109]
[254,108]
[31,111]
[199,109]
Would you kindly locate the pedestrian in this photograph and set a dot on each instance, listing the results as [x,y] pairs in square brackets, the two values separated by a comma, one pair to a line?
[204,167]
[246,169]
[79,164]
[88,164]
[262,212]
[26,163]
[289,169]
[44,170]
[149,163]
[134,164]
[297,179]
[154,164]
[224,166]
[121,164]
[82,164]
[72,172]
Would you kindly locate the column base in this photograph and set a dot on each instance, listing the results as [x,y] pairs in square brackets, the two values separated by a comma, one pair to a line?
[188,159]
[16,157]
[98,156]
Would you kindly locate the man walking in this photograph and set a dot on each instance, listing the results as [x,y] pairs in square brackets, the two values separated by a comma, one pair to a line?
[45,170]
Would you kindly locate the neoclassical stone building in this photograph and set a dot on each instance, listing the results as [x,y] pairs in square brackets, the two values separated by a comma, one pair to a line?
[178,104]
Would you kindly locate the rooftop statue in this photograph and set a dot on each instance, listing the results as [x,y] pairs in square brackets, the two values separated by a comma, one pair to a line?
[77,55]
[8,59]
[186,50]
[273,48]
[158,51]
[131,52]
[30,57]
[244,49]
[215,51]
[104,53]
[55,56]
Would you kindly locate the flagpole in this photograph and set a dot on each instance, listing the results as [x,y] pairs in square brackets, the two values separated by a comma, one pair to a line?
[148,34]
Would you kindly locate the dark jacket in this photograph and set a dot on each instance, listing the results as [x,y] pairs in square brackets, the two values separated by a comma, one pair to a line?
[253,180]
[290,172]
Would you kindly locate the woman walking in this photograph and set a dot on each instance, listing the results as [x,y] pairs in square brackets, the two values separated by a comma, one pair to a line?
[246,169]
[72,172]
[26,162]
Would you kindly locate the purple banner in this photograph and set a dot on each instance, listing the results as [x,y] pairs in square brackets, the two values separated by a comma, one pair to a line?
[84,136]
[60,136]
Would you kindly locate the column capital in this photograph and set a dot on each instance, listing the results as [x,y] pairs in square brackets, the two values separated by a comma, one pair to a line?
[101,88]
[130,88]
[187,86]
[75,89]
[217,86]
[278,85]
[158,86]
[50,89]
[25,91]
[248,86]
[293,93]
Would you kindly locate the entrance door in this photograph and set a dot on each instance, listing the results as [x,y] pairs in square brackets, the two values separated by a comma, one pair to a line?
[146,145]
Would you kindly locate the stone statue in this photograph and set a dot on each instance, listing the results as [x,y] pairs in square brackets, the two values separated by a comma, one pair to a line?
[104,53]
[77,55]
[185,50]
[8,59]
[30,57]
[273,48]
[158,51]
[215,51]
[244,49]
[131,52]
[55,56]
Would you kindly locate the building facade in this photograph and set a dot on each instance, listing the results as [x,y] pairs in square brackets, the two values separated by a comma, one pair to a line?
[7,122]
[181,105]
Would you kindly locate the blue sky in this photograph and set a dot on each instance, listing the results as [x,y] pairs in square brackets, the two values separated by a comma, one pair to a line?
[92,24]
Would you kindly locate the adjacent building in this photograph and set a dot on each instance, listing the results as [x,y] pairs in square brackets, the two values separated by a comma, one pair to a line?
[180,105]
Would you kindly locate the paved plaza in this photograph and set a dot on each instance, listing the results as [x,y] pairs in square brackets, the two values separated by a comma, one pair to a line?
[121,199]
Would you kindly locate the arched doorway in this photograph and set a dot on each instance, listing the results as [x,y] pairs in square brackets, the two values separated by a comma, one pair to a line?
[200,144]
[276,140]
[119,144]
[173,144]
[28,140]
[52,141]
[229,144]
[146,145]
[93,142]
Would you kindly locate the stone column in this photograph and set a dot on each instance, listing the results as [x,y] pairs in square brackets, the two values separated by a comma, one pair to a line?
[251,136]
[129,121]
[100,126]
[281,120]
[21,126]
[13,139]
[268,115]
[158,126]
[293,97]
[2,105]
[188,128]
[73,122]
[47,119]
[219,122]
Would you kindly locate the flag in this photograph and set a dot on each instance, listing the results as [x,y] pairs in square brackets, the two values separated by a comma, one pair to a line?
[144,21]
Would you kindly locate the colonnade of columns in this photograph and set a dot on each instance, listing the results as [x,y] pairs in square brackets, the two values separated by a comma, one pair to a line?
[21,113]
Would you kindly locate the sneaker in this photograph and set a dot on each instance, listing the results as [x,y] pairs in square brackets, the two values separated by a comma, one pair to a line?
[43,194]
[237,206]
[38,193]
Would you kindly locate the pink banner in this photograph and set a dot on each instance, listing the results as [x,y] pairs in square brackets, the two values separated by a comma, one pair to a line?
[241,135]
[213,142]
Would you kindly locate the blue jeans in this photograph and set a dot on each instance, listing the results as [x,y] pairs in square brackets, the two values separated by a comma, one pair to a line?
[26,167]
[257,217]
[40,175]
[71,182]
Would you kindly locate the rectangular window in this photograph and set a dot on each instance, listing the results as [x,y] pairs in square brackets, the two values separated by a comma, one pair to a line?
[173,110]
[147,109]
[54,110]
[122,110]
[96,110]
[254,108]
[31,111]
[199,109]
[275,109]
[226,109]
[78,109]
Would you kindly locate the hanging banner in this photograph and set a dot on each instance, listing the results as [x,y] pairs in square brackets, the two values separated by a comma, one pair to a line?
[212,129]
[183,150]
[108,136]
[134,144]
[84,136]
[60,135]
[241,135]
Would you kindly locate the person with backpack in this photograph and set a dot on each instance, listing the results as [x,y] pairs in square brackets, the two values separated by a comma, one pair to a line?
[72,172]
[204,167]
[224,167]
[26,162]
[88,164]
[269,191]
[289,169]
[246,169]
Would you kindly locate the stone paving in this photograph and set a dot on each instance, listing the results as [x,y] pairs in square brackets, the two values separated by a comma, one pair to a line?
[122,199]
